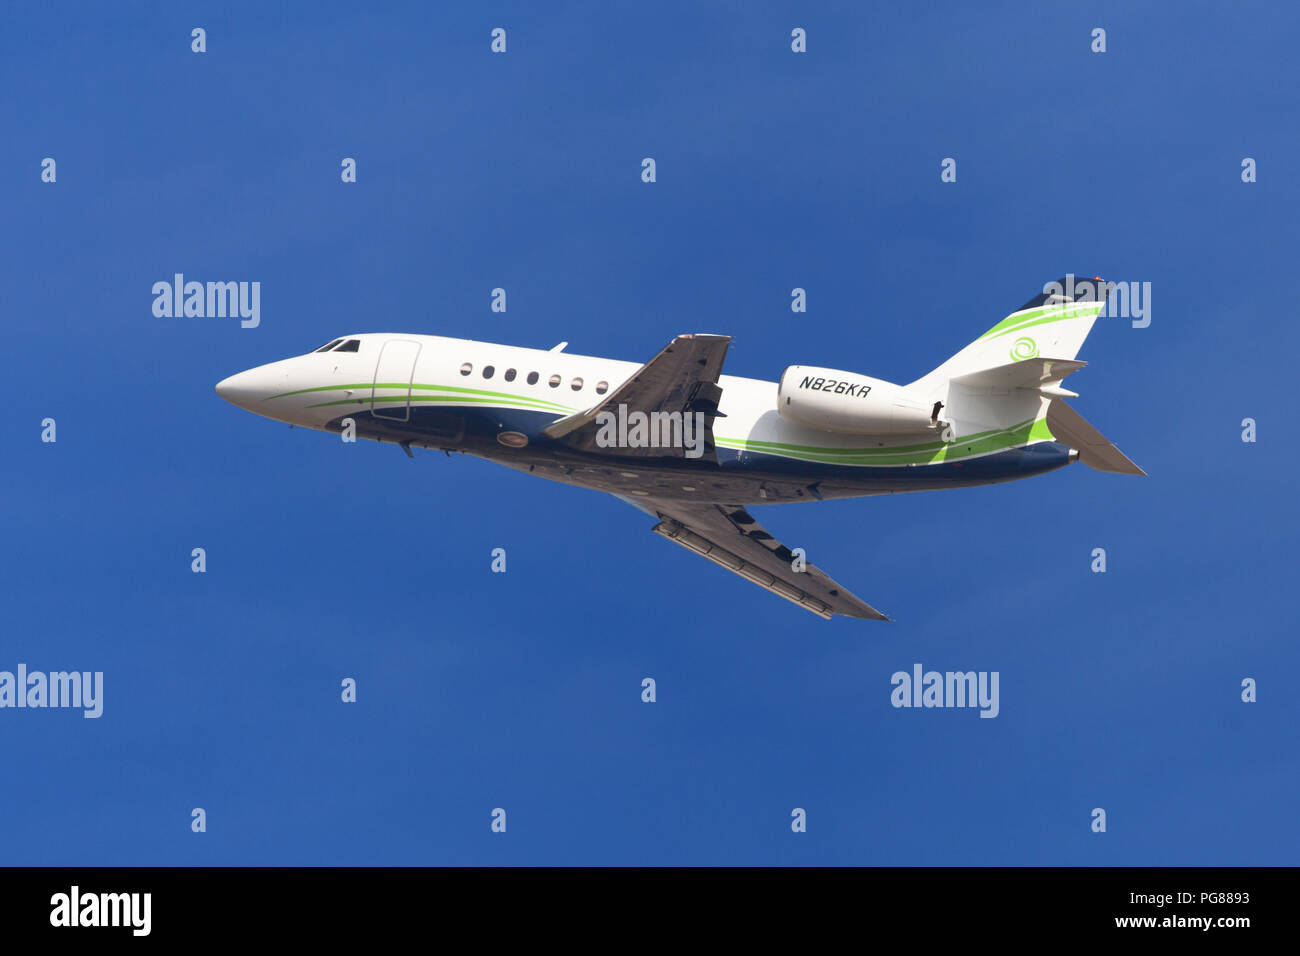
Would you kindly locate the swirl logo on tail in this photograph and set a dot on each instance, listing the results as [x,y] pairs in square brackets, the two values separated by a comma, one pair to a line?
[1025,348]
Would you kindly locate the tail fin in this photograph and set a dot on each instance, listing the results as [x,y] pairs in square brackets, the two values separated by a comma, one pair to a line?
[1053,324]
[1008,380]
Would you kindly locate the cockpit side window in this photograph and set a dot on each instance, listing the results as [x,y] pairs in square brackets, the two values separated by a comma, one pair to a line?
[351,345]
[329,345]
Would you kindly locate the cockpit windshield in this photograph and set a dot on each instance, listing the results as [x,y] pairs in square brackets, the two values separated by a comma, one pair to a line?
[351,345]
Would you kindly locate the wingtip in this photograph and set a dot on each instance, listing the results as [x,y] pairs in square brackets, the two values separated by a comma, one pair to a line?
[873,615]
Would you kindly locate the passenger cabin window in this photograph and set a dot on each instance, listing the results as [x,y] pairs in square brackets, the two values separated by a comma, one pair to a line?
[466,369]
[329,345]
[351,345]
[576,385]
[510,375]
[602,388]
[532,378]
[489,371]
[553,381]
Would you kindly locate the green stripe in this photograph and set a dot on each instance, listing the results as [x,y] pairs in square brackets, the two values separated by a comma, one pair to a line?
[539,402]
[452,399]
[1082,313]
[1040,432]
[931,452]
[888,450]
[322,388]
[982,443]
[474,391]
[1057,313]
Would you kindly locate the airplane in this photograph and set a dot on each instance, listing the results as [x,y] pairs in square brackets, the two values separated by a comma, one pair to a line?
[694,448]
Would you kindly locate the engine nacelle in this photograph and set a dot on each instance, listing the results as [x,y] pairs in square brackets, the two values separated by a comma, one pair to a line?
[838,401]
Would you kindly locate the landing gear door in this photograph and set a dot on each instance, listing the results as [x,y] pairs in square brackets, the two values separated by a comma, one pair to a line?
[390,394]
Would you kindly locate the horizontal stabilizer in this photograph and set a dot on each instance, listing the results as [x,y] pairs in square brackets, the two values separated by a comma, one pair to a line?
[1095,450]
[1031,373]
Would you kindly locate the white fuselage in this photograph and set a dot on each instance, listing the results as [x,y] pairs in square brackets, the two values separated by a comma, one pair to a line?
[462,395]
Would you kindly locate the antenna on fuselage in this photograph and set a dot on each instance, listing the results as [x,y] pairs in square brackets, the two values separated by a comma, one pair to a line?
[561,347]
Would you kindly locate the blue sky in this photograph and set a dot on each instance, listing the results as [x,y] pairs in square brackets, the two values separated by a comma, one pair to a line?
[775,170]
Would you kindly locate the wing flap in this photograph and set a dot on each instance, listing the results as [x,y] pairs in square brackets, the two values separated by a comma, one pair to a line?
[729,536]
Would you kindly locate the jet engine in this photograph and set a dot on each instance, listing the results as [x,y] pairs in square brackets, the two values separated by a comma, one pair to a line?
[852,404]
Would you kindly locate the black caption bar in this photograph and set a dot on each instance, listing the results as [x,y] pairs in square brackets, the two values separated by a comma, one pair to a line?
[336,906]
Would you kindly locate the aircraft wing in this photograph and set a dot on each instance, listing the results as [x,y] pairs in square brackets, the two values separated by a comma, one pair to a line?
[728,535]
[1095,449]
[682,379]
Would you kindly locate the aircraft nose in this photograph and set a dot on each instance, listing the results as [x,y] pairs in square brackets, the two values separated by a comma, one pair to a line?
[247,389]
[237,389]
